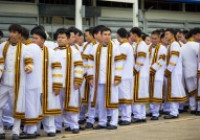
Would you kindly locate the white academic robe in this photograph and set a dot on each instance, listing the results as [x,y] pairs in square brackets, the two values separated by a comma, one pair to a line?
[50,44]
[198,77]
[105,60]
[174,87]
[158,65]
[72,70]
[8,67]
[189,53]
[126,86]
[141,71]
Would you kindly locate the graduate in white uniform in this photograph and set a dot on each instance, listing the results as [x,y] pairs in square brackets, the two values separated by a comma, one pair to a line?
[189,53]
[141,77]
[157,54]
[72,70]
[174,89]
[43,85]
[105,78]
[13,66]
[92,111]
[126,85]
[85,88]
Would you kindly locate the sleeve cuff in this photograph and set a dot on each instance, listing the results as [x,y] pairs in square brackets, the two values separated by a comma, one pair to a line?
[78,80]
[57,86]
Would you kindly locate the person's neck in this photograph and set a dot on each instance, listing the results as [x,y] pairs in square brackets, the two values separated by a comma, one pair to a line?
[62,45]
[105,43]
[14,43]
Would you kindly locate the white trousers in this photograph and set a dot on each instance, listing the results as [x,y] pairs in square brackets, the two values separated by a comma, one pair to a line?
[155,107]
[125,110]
[83,111]
[193,103]
[69,119]
[7,93]
[7,118]
[139,111]
[48,124]
[103,111]
[174,108]
[198,105]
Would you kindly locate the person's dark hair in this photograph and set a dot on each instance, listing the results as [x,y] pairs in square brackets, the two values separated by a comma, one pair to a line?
[73,30]
[1,33]
[195,31]
[105,29]
[80,33]
[15,28]
[122,32]
[137,31]
[90,30]
[97,29]
[186,34]
[144,36]
[177,31]
[25,33]
[156,32]
[39,31]
[62,31]
[162,35]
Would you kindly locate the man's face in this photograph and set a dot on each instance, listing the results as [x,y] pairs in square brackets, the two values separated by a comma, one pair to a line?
[178,35]
[164,41]
[38,40]
[72,39]
[98,37]
[106,37]
[197,37]
[148,40]
[183,39]
[169,36]
[80,40]
[87,37]
[14,36]
[133,37]
[154,39]
[62,40]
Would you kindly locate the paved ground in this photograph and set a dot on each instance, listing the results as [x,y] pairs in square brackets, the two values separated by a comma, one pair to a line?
[187,127]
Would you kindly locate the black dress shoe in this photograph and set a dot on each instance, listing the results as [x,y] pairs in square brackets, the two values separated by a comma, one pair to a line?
[198,113]
[170,117]
[2,136]
[96,119]
[68,129]
[154,118]
[149,114]
[51,134]
[193,112]
[82,121]
[58,131]
[165,113]
[75,131]
[28,136]
[125,123]
[98,127]
[81,128]
[89,126]
[119,122]
[111,127]
[134,120]
[15,137]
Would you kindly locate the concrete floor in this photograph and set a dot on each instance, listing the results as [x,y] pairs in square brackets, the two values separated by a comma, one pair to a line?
[187,127]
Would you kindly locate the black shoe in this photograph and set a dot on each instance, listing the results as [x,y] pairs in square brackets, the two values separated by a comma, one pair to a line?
[68,129]
[154,118]
[51,134]
[98,127]
[134,120]
[96,119]
[193,112]
[111,127]
[182,110]
[15,137]
[165,113]
[124,123]
[149,114]
[108,118]
[28,136]
[75,131]
[170,117]
[82,121]
[58,131]
[2,136]
[119,122]
[89,125]
[198,113]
